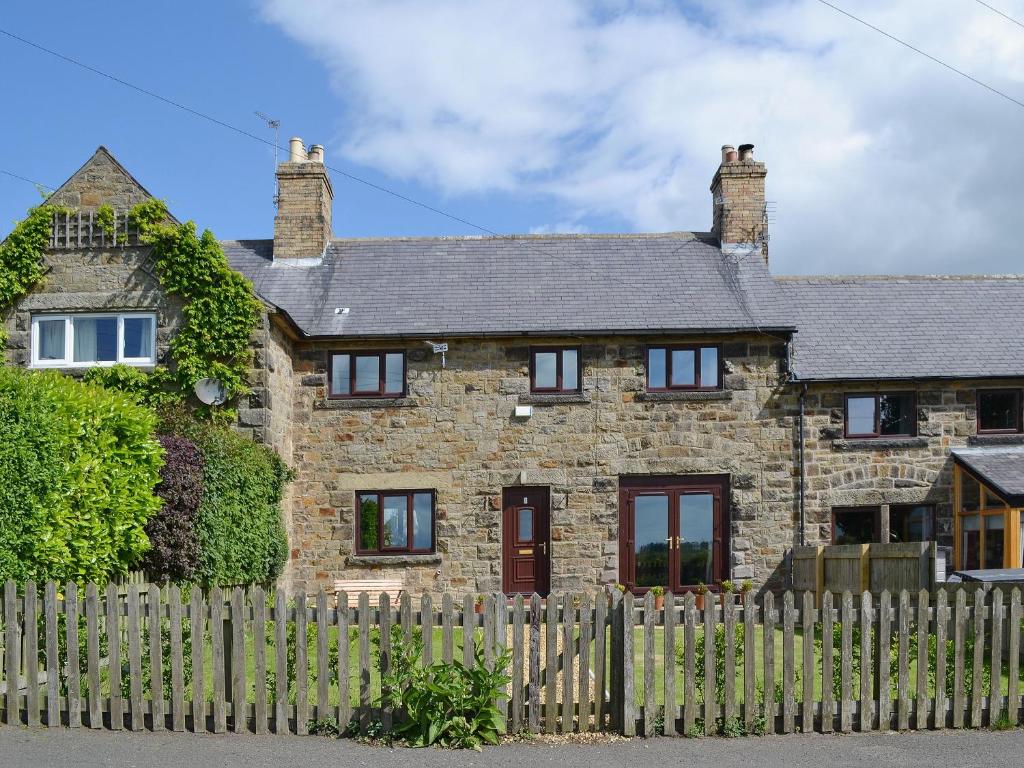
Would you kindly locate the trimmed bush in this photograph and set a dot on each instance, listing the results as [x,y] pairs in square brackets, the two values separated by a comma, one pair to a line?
[174,541]
[242,539]
[77,470]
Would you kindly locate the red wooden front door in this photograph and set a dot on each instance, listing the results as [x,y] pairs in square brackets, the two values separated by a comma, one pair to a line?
[526,534]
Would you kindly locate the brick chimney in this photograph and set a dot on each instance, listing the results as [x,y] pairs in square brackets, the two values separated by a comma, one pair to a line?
[302,226]
[740,220]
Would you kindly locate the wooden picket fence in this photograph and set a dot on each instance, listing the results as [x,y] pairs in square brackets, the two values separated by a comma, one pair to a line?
[145,658]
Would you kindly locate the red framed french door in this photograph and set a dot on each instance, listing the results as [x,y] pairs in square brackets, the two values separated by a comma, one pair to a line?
[672,532]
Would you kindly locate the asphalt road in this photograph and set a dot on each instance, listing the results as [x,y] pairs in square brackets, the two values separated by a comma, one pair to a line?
[40,748]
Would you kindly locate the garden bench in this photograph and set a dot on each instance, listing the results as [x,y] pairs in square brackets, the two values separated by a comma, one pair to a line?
[352,588]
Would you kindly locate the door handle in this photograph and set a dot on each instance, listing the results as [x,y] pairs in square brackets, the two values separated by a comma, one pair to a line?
[543,547]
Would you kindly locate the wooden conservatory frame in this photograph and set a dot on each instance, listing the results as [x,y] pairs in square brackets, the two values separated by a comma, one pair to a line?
[990,505]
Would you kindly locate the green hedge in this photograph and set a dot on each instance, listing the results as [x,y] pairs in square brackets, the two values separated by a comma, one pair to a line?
[242,538]
[78,465]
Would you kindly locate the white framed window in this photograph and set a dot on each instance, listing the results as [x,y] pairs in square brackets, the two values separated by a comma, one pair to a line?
[85,340]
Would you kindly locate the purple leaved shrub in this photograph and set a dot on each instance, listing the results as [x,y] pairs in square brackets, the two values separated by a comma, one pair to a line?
[173,538]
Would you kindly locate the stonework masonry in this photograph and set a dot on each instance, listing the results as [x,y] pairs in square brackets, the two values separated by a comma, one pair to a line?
[916,470]
[456,434]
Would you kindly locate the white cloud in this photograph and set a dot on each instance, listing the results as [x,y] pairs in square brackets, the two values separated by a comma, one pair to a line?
[879,160]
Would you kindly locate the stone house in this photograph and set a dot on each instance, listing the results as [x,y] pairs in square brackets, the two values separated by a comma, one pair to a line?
[561,411]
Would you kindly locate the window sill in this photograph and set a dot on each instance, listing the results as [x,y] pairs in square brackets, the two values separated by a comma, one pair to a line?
[1004,439]
[878,443]
[683,397]
[554,398]
[432,558]
[80,369]
[365,402]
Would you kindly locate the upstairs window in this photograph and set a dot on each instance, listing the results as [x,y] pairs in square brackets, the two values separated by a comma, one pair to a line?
[555,370]
[683,367]
[75,341]
[880,415]
[393,522]
[999,411]
[367,374]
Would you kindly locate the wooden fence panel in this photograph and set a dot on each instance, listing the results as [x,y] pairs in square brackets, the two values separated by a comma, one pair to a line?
[709,665]
[866,666]
[884,660]
[551,665]
[669,665]
[827,664]
[788,663]
[52,656]
[92,649]
[323,659]
[729,620]
[239,689]
[71,611]
[217,659]
[846,665]
[197,626]
[846,568]
[749,671]
[156,658]
[584,665]
[906,565]
[650,700]
[31,660]
[516,719]
[601,700]
[768,656]
[807,663]
[1013,654]
[977,679]
[959,639]
[259,659]
[995,707]
[941,699]
[344,649]
[534,706]
[555,686]
[628,657]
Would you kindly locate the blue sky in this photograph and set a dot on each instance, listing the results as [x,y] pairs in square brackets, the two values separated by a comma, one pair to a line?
[562,115]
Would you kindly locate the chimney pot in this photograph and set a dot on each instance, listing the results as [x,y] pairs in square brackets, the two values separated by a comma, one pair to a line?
[296,152]
[746,152]
[728,153]
[316,153]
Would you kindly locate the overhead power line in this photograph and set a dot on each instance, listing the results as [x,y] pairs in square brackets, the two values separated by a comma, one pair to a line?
[37,184]
[240,131]
[928,56]
[1000,13]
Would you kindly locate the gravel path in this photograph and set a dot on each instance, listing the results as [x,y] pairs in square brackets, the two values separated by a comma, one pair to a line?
[22,747]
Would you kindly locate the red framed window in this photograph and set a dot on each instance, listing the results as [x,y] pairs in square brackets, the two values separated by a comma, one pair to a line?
[881,415]
[999,411]
[367,374]
[684,367]
[394,522]
[555,369]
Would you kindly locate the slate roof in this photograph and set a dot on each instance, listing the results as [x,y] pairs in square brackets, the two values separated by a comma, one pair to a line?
[1002,469]
[558,284]
[888,327]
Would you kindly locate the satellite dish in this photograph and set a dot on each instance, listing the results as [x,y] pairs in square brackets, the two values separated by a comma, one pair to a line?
[210,391]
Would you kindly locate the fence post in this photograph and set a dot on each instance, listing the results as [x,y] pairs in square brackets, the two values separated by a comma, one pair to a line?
[197,625]
[628,678]
[827,665]
[807,663]
[941,620]
[867,676]
[669,661]
[768,654]
[550,664]
[978,670]
[710,702]
[616,662]
[31,656]
[535,618]
[921,705]
[959,633]
[995,707]
[1013,670]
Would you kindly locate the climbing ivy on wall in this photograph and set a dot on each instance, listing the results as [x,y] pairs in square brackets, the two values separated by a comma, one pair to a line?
[21,258]
[220,307]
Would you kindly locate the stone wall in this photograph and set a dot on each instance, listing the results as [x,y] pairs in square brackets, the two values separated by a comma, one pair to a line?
[917,470]
[456,433]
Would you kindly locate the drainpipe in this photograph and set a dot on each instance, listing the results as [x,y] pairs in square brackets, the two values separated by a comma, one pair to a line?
[803,395]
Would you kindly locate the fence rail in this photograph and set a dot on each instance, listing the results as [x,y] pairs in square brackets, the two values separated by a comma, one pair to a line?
[138,657]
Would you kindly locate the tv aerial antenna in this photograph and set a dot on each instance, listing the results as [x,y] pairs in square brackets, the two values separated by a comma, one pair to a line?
[275,126]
